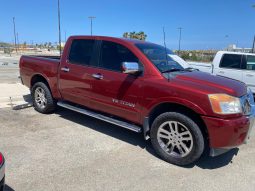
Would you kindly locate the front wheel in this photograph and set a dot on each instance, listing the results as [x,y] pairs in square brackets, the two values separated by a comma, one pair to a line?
[177,139]
[42,99]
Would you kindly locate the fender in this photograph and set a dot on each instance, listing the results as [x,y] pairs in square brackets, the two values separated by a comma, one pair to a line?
[173,100]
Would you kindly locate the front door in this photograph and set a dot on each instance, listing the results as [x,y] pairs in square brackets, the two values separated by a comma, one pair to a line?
[114,92]
[230,66]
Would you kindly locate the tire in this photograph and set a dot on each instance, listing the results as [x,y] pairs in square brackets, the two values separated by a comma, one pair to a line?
[43,101]
[171,132]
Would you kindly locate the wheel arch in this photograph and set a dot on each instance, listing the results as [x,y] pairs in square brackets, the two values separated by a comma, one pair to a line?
[39,78]
[175,107]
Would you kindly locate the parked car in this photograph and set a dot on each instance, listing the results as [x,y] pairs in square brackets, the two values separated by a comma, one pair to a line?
[139,86]
[235,65]
[2,172]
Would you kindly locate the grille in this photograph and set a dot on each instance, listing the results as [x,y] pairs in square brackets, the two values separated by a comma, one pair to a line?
[247,102]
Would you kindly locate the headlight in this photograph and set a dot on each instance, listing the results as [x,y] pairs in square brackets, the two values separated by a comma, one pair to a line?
[225,104]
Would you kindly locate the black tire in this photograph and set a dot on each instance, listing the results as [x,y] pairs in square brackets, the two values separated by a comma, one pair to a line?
[198,144]
[50,105]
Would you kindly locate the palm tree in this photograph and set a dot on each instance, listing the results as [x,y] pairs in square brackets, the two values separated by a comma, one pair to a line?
[140,36]
[126,35]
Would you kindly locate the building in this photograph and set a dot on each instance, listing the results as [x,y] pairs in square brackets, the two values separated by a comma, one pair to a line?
[234,48]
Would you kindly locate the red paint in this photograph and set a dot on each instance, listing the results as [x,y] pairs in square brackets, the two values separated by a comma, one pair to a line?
[146,91]
[1,159]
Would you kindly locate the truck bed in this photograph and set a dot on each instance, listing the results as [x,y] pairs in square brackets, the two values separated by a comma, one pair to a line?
[45,66]
[46,56]
[203,67]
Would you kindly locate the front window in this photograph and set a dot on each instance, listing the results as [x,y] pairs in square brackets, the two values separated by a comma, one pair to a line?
[160,57]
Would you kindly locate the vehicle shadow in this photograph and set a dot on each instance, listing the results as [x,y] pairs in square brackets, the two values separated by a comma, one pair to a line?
[208,162]
[8,188]
[136,139]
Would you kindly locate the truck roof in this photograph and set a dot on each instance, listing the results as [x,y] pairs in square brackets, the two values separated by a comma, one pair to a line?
[129,40]
[231,52]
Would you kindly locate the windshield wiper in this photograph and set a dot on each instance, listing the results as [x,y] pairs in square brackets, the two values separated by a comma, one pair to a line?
[172,70]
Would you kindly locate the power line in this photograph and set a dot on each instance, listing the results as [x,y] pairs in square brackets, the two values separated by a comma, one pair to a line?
[91,23]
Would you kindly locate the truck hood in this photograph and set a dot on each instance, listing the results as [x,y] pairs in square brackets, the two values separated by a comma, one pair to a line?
[210,84]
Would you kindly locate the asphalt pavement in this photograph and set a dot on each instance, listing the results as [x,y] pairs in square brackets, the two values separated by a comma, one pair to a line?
[69,151]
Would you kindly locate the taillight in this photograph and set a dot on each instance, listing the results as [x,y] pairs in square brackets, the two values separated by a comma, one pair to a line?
[1,159]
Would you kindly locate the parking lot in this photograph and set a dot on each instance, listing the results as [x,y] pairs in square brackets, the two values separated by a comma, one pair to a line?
[69,151]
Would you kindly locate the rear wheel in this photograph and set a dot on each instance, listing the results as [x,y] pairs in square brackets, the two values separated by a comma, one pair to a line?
[42,99]
[177,139]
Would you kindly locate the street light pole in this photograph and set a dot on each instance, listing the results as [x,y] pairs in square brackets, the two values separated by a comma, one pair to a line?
[91,18]
[59,29]
[180,37]
[14,30]
[18,40]
[253,47]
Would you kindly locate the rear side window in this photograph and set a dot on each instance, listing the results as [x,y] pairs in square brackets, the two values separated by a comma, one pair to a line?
[250,62]
[81,51]
[113,54]
[231,61]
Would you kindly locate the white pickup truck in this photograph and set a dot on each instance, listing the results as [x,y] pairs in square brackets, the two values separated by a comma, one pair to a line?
[236,65]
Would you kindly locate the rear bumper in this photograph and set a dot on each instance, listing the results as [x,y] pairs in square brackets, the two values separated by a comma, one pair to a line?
[225,134]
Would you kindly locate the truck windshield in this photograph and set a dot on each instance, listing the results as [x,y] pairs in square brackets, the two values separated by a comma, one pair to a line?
[157,55]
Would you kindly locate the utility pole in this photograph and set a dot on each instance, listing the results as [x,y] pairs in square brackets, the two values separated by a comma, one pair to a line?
[18,40]
[59,29]
[14,30]
[180,37]
[253,47]
[91,23]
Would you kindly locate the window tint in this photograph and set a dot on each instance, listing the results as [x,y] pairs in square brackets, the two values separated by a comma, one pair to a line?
[81,51]
[113,54]
[250,62]
[231,61]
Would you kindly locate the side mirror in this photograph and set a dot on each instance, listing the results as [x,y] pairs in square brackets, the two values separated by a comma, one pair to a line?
[130,68]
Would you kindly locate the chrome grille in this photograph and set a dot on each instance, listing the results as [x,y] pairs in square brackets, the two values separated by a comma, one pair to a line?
[247,102]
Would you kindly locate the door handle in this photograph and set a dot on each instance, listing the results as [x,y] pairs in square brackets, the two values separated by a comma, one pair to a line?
[221,72]
[249,75]
[65,69]
[98,76]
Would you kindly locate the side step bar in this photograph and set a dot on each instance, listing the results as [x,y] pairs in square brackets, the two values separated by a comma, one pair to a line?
[117,122]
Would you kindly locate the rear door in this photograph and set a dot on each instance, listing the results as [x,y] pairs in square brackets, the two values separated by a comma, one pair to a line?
[75,75]
[114,92]
[249,72]
[230,66]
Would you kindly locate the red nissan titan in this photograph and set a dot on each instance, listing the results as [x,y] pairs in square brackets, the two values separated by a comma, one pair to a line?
[140,86]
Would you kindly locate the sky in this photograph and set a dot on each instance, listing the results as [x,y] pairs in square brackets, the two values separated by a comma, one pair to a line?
[211,24]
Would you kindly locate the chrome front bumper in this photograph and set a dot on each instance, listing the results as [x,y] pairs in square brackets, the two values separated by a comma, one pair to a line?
[218,151]
[252,123]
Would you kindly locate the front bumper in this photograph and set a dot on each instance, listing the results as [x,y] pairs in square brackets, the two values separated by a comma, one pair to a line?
[225,134]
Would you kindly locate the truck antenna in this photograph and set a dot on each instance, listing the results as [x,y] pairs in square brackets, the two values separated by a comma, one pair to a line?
[164,36]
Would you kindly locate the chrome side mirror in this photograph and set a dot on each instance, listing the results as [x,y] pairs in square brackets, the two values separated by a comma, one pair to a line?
[130,68]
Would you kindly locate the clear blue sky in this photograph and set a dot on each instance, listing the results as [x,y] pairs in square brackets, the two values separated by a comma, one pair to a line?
[205,22]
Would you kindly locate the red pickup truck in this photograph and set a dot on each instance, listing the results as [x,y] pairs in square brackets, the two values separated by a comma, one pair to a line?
[139,86]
